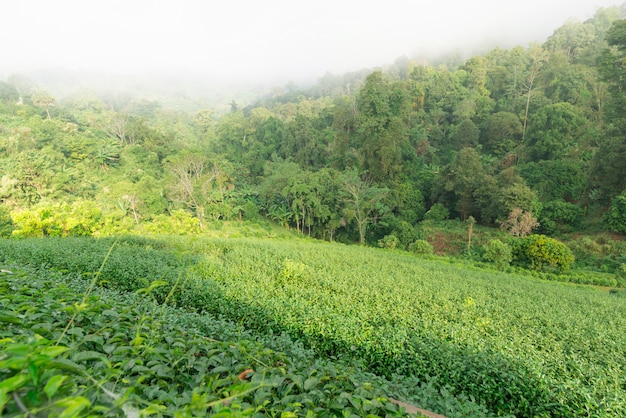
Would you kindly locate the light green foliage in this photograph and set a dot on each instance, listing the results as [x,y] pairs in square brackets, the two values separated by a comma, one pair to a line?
[76,219]
[498,253]
[539,250]
[421,247]
[179,222]
[471,329]
[498,338]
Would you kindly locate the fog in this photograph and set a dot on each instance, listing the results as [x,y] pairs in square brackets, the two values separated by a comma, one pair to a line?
[272,41]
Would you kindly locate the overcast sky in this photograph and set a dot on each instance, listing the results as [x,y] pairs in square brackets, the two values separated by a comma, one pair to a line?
[245,39]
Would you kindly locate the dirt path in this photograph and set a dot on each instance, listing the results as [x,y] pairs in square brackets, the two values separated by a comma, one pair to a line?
[412,409]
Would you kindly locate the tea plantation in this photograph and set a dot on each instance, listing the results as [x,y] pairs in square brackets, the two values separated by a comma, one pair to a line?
[328,329]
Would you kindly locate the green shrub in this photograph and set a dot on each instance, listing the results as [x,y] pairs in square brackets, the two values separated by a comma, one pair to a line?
[620,277]
[537,251]
[6,223]
[559,216]
[389,241]
[81,218]
[421,246]
[499,253]
[251,212]
[406,233]
[615,218]
[179,222]
[437,212]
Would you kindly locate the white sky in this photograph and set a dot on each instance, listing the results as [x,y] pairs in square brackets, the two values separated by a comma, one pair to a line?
[245,39]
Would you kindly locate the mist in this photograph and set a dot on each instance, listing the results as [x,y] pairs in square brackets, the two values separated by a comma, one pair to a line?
[255,43]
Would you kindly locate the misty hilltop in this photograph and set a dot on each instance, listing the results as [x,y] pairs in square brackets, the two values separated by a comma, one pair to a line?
[190,42]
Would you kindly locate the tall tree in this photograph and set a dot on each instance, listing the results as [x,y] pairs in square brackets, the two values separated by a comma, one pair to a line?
[538,56]
[459,180]
[363,202]
[608,173]
[381,129]
[42,98]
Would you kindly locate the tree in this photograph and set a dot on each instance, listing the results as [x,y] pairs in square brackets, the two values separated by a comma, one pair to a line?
[502,133]
[194,181]
[608,173]
[131,202]
[6,223]
[556,179]
[470,229]
[467,134]
[571,38]
[459,181]
[381,130]
[554,129]
[538,56]
[363,202]
[520,223]
[615,218]
[560,216]
[499,253]
[117,127]
[540,250]
[42,98]
[8,94]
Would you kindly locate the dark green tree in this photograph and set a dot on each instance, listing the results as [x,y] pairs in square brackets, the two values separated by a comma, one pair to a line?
[555,130]
[608,173]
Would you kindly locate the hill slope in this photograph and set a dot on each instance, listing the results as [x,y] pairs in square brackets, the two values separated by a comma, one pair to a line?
[518,345]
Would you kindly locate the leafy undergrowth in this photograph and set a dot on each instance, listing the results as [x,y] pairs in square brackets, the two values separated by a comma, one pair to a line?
[65,354]
[517,345]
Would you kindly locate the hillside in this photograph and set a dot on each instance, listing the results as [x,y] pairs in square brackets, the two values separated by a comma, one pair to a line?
[441,334]
[385,235]
[357,157]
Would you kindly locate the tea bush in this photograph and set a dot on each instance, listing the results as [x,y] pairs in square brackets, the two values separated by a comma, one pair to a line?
[421,246]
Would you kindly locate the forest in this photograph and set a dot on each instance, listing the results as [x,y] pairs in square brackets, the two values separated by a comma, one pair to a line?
[531,135]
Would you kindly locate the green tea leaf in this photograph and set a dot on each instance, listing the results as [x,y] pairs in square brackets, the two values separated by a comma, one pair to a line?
[10,319]
[33,372]
[53,385]
[13,383]
[73,406]
[310,383]
[54,351]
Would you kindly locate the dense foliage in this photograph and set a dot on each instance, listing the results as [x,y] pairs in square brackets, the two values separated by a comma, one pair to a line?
[123,355]
[353,158]
[68,348]
[518,346]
